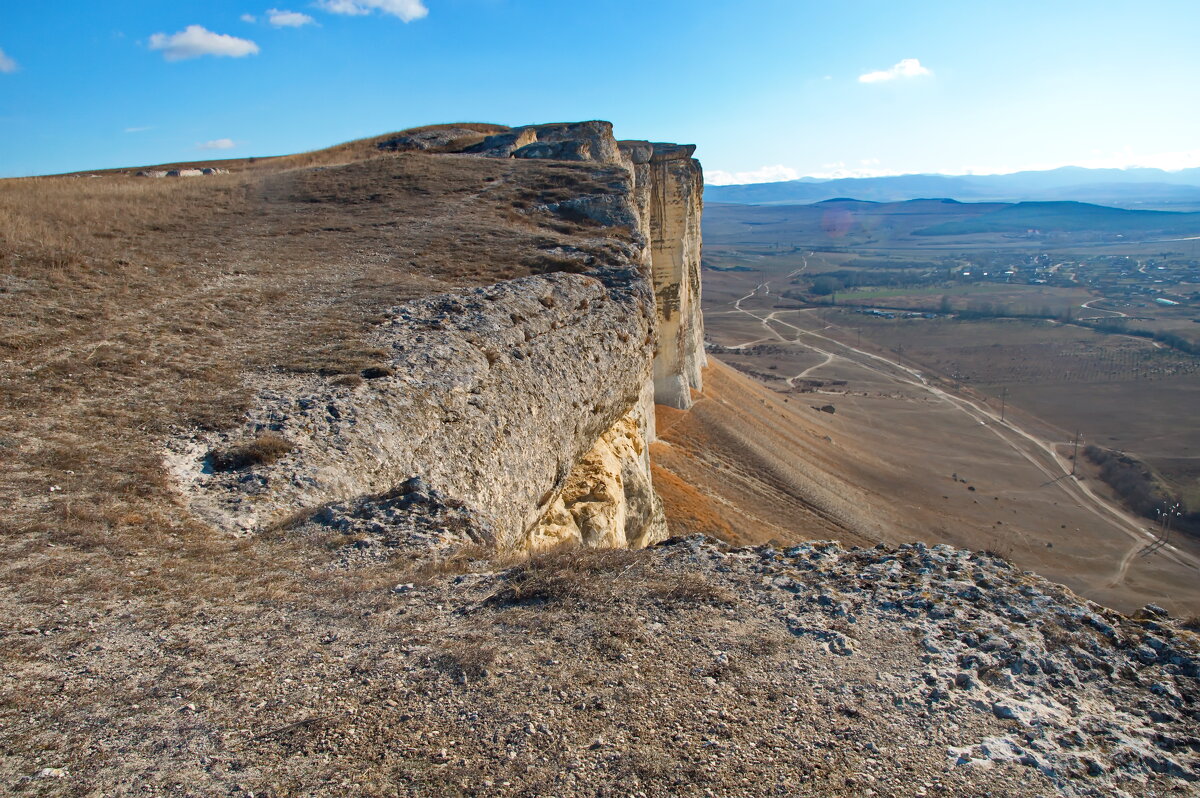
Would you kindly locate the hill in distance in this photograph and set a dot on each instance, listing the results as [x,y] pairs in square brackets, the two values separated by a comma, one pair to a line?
[845,221]
[1132,188]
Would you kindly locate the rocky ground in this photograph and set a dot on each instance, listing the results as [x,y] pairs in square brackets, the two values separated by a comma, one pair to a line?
[686,669]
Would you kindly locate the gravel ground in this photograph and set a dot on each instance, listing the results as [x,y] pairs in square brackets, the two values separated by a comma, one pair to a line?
[687,669]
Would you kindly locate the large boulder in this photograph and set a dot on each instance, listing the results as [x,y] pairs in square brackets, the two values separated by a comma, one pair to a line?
[573,141]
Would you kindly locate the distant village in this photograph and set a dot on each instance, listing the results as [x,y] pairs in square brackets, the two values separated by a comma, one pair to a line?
[1168,281]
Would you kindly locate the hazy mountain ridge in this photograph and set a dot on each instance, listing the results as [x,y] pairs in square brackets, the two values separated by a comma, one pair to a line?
[838,218]
[1121,187]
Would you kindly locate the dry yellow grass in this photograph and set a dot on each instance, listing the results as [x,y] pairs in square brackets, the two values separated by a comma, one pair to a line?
[133,307]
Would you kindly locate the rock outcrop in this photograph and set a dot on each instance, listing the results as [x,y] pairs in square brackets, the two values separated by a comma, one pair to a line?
[676,186]
[523,409]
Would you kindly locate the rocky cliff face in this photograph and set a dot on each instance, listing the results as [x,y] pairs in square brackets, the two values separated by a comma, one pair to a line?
[669,187]
[517,415]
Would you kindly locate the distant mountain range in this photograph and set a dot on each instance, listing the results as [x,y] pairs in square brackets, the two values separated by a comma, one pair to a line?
[1122,188]
[848,222]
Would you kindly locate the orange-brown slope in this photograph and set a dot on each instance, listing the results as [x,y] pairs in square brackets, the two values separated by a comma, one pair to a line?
[756,469]
[753,465]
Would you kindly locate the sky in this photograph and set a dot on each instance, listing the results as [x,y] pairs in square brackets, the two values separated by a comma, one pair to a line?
[767,89]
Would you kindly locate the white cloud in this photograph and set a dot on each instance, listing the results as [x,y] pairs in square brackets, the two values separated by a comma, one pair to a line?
[217,144]
[764,174]
[7,65]
[195,41]
[868,167]
[288,19]
[249,18]
[1123,159]
[137,129]
[407,10]
[907,68]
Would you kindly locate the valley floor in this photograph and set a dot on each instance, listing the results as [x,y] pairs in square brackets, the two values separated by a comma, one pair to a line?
[905,457]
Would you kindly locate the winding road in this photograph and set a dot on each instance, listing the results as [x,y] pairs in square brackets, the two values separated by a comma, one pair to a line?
[1041,453]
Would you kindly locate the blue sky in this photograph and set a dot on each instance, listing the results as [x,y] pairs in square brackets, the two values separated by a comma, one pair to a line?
[766,88]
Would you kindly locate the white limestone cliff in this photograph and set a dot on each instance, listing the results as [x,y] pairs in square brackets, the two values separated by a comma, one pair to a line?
[519,414]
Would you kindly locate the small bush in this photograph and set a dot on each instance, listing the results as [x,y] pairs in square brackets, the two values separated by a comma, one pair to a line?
[692,588]
[266,448]
[1132,480]
[566,575]
[467,659]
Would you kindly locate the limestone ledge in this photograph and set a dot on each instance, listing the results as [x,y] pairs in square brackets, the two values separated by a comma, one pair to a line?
[669,193]
[608,500]
[518,414]
[495,395]
[667,198]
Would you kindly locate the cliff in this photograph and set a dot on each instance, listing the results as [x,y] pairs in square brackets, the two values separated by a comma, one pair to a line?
[524,407]
[361,358]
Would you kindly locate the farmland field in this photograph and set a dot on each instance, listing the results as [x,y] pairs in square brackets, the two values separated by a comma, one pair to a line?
[1119,392]
[1096,336]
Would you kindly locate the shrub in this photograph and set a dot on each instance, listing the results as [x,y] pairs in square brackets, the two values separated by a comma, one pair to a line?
[266,448]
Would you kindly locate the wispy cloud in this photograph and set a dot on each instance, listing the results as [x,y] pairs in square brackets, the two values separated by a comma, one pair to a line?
[195,41]
[867,167]
[137,129]
[407,10]
[906,68]
[1120,159]
[217,144]
[764,174]
[7,65]
[288,19]
[249,18]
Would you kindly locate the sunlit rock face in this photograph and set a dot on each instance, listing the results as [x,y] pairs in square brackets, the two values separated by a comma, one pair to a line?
[676,201]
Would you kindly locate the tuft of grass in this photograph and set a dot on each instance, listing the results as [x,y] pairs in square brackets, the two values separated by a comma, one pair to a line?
[692,588]
[467,659]
[266,448]
[566,575]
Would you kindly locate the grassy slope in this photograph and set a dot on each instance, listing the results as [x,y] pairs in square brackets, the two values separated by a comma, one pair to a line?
[133,307]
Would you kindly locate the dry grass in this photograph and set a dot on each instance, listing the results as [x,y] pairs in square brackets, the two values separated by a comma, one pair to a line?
[566,575]
[570,576]
[132,308]
[266,448]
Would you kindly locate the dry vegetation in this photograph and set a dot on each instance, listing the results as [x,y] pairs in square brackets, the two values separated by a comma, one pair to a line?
[132,308]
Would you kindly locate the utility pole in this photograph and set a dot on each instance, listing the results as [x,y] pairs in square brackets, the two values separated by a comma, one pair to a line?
[1075,453]
[1003,401]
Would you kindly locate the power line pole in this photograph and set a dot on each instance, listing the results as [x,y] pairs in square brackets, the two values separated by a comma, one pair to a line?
[1075,453]
[1003,402]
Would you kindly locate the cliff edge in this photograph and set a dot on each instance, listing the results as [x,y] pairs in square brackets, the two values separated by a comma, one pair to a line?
[523,409]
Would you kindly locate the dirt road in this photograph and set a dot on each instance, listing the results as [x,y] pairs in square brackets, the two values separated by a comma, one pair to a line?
[1041,453]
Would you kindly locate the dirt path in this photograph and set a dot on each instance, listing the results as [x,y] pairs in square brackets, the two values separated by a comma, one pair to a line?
[829,357]
[1041,453]
[1088,306]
